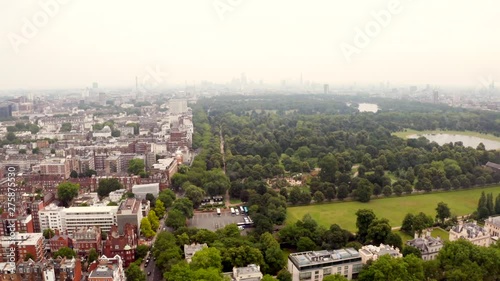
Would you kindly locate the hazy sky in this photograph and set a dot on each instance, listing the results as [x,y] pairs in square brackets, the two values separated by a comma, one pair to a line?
[445,42]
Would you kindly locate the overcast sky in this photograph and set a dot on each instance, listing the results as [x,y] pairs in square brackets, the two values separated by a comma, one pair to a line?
[446,42]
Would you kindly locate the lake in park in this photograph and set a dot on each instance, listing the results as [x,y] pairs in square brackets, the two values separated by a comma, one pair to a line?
[368,107]
[466,140]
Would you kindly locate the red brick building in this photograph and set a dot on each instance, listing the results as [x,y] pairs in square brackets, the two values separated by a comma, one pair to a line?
[23,243]
[122,245]
[87,238]
[59,240]
[20,223]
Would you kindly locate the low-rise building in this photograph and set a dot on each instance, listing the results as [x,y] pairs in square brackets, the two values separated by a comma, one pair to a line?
[22,244]
[122,245]
[86,238]
[190,250]
[59,269]
[492,225]
[140,190]
[428,246]
[116,196]
[314,265]
[247,273]
[129,212]
[59,240]
[472,232]
[107,269]
[55,166]
[69,219]
[104,133]
[371,252]
[20,223]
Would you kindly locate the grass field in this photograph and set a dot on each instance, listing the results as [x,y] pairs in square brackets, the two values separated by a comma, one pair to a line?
[435,233]
[409,132]
[394,209]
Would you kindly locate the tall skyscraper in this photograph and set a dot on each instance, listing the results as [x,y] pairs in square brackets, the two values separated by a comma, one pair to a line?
[326,88]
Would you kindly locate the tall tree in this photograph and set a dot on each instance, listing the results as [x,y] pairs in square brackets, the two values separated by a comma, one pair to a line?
[134,273]
[135,166]
[64,252]
[489,204]
[364,190]
[185,206]
[175,219]
[206,258]
[378,231]
[108,185]
[159,208]
[364,217]
[66,191]
[146,228]
[195,194]
[497,205]
[328,165]
[443,212]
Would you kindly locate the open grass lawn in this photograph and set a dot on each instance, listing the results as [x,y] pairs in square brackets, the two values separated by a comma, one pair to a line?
[234,201]
[394,209]
[444,235]
[465,133]
[435,233]
[404,236]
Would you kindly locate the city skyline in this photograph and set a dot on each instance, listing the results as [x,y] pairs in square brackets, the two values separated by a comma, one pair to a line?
[69,44]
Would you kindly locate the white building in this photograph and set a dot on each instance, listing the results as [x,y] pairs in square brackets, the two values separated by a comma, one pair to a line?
[104,133]
[428,246]
[247,273]
[371,252]
[140,190]
[190,250]
[108,269]
[69,219]
[116,196]
[492,225]
[472,232]
[177,106]
[314,265]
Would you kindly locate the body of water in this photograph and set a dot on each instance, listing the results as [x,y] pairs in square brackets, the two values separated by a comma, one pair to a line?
[368,107]
[466,140]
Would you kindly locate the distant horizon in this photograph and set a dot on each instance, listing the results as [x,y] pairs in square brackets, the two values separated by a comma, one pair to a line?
[69,44]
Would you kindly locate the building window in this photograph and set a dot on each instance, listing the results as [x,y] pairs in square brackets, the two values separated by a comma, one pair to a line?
[305,275]
[327,271]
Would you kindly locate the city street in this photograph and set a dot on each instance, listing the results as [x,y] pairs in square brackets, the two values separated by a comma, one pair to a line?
[156,274]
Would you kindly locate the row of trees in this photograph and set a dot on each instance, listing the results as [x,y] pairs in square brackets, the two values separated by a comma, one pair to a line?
[486,207]
[226,248]
[268,144]
[458,260]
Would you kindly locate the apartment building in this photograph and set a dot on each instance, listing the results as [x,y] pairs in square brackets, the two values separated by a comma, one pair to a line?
[314,265]
[371,252]
[428,246]
[22,243]
[86,238]
[472,232]
[69,219]
[107,269]
[129,212]
[248,273]
[56,166]
[492,225]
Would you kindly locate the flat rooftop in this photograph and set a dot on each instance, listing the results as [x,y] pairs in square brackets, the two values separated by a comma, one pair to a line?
[303,259]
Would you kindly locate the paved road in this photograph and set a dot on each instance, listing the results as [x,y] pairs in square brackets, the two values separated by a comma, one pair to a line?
[155,271]
[156,274]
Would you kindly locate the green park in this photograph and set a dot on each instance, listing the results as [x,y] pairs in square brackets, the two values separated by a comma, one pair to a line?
[461,202]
